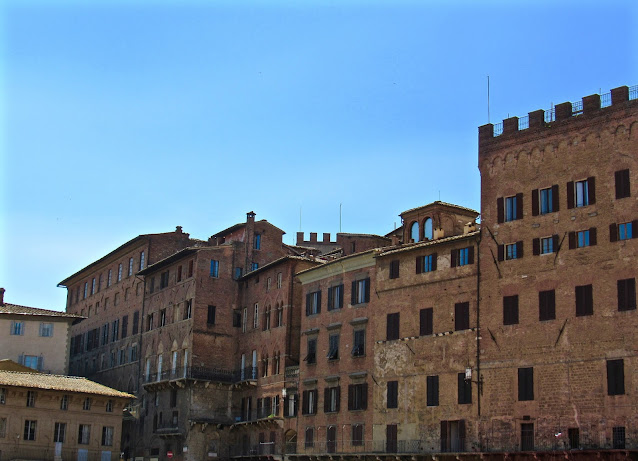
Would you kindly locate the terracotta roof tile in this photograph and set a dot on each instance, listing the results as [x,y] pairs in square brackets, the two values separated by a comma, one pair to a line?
[8,308]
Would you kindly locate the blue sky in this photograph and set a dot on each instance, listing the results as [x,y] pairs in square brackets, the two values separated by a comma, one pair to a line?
[127,117]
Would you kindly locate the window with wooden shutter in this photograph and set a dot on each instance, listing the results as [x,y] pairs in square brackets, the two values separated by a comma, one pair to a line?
[425,321]
[623,188]
[526,384]
[394,269]
[510,310]
[615,377]
[392,327]
[461,316]
[626,294]
[500,210]
[432,384]
[584,300]
[464,390]
[546,305]
[392,400]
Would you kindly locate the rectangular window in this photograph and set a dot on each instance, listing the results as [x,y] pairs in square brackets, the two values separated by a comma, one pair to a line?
[462,316]
[313,303]
[309,442]
[581,193]
[393,394]
[358,396]
[130,267]
[584,300]
[392,326]
[360,291]
[124,326]
[93,286]
[236,318]
[31,398]
[527,437]
[179,273]
[546,201]
[86,405]
[332,397]
[625,231]
[335,297]
[464,389]
[510,310]
[546,305]
[279,279]
[211,315]
[582,239]
[119,272]
[109,279]
[615,377]
[59,432]
[141,260]
[511,209]
[64,402]
[116,330]
[188,309]
[84,434]
[107,436]
[357,434]
[214,268]
[3,428]
[253,267]
[394,269]
[626,294]
[244,320]
[426,263]
[462,257]
[257,242]
[164,279]
[17,328]
[547,245]
[256,316]
[109,406]
[359,343]
[432,383]
[309,404]
[512,251]
[29,429]
[618,437]
[162,321]
[573,433]
[311,356]
[623,188]
[46,330]
[333,347]
[136,322]
[425,321]
[526,384]
[86,290]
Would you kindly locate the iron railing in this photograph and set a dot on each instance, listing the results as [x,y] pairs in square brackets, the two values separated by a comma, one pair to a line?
[48,453]
[203,373]
[258,414]
[369,446]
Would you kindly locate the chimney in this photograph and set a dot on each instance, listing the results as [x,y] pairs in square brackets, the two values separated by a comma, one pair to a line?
[250,216]
[178,229]
[2,290]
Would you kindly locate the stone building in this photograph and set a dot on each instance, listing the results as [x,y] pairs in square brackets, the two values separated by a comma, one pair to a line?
[53,417]
[558,302]
[36,338]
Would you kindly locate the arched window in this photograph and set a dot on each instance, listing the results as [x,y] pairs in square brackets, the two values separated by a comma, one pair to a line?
[427,229]
[414,231]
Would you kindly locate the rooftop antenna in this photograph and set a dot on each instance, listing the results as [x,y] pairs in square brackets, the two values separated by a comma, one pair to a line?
[439,195]
[488,99]
[340,205]
[299,218]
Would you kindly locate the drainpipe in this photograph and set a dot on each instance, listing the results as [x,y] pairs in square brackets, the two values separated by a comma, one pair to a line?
[478,322]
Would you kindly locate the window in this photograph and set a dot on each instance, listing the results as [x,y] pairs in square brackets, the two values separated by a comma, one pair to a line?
[357,434]
[214,268]
[164,279]
[46,330]
[268,283]
[86,289]
[360,291]
[280,316]
[244,324]
[545,201]
[264,366]
[510,251]
[527,436]
[107,436]
[464,390]
[623,188]
[84,434]
[31,398]
[29,429]
[392,400]
[615,377]
[279,279]
[414,232]
[3,396]
[86,405]
[394,269]
[526,384]
[582,238]
[432,384]
[462,257]
[119,272]
[141,260]
[253,267]
[3,428]
[359,343]
[358,396]
[425,321]
[427,229]
[188,309]
[59,432]
[333,349]
[313,303]
[17,328]
[257,242]
[276,361]
[309,404]
[462,316]
[510,310]
[627,294]
[618,436]
[236,318]
[581,193]
[311,356]
[332,397]
[109,280]
[509,208]
[238,273]
[623,231]
[136,322]
[130,267]
[584,300]
[64,402]
[545,245]
[125,326]
[392,326]
[116,330]
[335,297]
[546,305]
[426,263]
[256,316]
[310,437]
[210,320]
[93,286]
[573,433]
[116,299]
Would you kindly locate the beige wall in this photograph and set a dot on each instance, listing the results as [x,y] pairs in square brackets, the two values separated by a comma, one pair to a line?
[53,349]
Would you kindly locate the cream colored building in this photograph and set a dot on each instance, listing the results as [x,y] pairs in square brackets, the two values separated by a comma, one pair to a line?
[36,338]
[53,417]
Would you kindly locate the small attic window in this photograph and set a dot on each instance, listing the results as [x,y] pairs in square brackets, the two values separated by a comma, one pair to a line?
[414,232]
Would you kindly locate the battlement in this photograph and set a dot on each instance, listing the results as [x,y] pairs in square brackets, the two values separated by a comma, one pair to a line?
[313,239]
[589,105]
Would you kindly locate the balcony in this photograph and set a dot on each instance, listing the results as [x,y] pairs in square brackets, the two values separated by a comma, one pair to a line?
[168,429]
[261,415]
[198,374]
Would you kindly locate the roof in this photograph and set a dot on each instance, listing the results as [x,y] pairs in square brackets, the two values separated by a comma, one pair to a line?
[364,235]
[239,226]
[438,202]
[344,258]
[58,383]
[414,246]
[170,259]
[134,240]
[10,365]
[16,309]
[279,261]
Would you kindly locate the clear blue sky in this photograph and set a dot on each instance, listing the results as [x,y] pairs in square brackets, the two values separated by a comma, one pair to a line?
[126,117]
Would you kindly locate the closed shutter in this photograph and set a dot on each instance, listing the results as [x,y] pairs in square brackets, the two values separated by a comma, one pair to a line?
[619,184]
[434,256]
[470,255]
[453,257]
[326,400]
[318,302]
[307,304]
[519,206]
[340,291]
[444,444]
[330,303]
[591,190]
[462,435]
[425,321]
[519,249]
[419,264]
[570,194]
[593,239]
[536,247]
[338,398]
[572,240]
[501,252]
[535,202]
[555,243]
[634,229]
[350,396]
[353,293]
[500,210]
[286,403]
[555,200]
[367,285]
[613,232]
[364,396]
